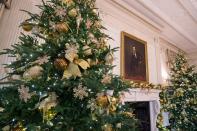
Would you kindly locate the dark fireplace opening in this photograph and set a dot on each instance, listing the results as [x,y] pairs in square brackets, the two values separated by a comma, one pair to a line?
[142,113]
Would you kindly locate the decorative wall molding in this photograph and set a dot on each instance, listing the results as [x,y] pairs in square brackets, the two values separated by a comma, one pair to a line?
[156,11]
[129,9]
[189,8]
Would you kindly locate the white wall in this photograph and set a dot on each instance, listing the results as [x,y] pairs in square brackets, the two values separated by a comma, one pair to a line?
[117,19]
[9,25]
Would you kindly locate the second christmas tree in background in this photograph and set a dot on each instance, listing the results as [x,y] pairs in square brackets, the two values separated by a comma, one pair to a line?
[180,98]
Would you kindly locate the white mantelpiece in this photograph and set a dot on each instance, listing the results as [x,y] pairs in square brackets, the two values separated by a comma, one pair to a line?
[149,95]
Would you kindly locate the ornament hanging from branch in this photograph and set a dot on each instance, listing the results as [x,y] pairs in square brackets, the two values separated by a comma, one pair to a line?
[24,93]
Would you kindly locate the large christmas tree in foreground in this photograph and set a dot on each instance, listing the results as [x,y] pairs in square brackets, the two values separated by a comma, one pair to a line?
[180,99]
[62,79]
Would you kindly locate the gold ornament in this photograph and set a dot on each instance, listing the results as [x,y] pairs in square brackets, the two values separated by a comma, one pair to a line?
[95,11]
[102,101]
[109,58]
[33,72]
[60,64]
[107,127]
[97,24]
[49,115]
[113,104]
[68,2]
[27,26]
[82,63]
[87,50]
[72,70]
[73,13]
[46,105]
[62,27]
[18,127]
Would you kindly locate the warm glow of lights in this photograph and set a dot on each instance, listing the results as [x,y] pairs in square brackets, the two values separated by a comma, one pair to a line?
[164,74]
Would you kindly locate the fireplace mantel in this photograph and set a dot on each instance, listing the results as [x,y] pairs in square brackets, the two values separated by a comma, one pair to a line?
[141,95]
[149,95]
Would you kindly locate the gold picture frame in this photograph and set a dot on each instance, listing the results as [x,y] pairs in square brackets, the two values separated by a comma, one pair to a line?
[134,58]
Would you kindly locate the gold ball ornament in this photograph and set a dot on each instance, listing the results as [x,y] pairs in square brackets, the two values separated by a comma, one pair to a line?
[62,27]
[33,72]
[95,11]
[72,12]
[97,24]
[60,64]
[68,2]
[87,50]
[18,127]
[27,26]
[103,101]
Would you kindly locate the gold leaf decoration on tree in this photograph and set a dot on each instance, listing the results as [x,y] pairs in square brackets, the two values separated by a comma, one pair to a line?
[82,63]
[103,101]
[72,70]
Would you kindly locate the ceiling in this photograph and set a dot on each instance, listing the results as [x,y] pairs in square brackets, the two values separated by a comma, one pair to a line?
[176,19]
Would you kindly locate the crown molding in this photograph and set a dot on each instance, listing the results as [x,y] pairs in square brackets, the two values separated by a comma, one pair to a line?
[189,8]
[124,6]
[157,12]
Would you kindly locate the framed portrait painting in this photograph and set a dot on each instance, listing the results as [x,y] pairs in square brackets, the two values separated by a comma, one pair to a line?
[134,64]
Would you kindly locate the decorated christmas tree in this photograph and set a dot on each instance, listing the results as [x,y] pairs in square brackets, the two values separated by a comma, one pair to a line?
[180,99]
[62,76]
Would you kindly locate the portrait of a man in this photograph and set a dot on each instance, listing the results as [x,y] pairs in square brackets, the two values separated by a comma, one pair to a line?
[134,58]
